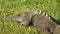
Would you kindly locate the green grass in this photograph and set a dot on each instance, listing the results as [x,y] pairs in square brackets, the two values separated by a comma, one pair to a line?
[8,7]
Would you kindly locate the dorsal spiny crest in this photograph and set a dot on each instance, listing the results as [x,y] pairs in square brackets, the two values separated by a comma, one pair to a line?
[39,12]
[36,12]
[42,13]
[46,15]
[49,17]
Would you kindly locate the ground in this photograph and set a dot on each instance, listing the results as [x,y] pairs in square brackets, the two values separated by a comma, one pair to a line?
[8,7]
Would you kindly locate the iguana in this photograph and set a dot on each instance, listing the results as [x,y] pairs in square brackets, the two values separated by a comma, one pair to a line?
[38,19]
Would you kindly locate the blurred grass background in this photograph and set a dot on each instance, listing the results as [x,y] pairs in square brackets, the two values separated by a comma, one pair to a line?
[8,7]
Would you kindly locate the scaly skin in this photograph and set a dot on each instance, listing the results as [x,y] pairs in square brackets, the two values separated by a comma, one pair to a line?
[57,30]
[24,18]
[38,20]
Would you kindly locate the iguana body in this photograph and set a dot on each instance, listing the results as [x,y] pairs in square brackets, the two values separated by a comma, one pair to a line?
[38,20]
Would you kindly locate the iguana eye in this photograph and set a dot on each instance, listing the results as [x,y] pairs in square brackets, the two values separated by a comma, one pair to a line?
[18,15]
